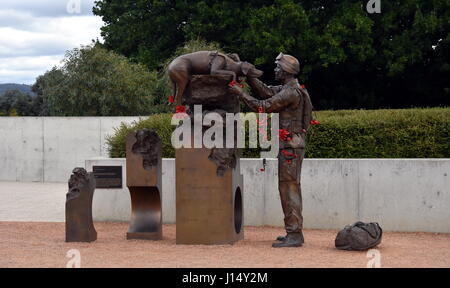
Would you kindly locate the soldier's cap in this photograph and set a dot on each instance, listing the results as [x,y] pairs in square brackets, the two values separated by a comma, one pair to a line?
[288,63]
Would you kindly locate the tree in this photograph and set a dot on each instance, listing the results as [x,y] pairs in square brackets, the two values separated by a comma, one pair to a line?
[95,82]
[349,58]
[39,105]
[23,106]
[7,100]
[16,103]
[145,31]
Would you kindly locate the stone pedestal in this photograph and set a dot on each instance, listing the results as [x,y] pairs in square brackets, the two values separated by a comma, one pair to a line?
[209,185]
[144,172]
[79,224]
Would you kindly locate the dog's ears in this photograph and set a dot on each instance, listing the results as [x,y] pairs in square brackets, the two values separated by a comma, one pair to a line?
[245,66]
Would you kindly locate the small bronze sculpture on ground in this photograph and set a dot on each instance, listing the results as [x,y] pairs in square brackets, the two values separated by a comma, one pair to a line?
[79,224]
[292,102]
[144,180]
[206,63]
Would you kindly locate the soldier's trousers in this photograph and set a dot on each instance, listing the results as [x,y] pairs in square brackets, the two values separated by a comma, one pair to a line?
[289,169]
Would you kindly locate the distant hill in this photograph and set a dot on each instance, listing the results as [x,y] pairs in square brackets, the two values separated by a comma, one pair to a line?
[11,86]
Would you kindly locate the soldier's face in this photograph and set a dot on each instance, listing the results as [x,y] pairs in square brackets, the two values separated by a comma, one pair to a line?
[278,72]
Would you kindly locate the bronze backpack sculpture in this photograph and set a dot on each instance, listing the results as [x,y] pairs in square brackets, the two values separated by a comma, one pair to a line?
[359,236]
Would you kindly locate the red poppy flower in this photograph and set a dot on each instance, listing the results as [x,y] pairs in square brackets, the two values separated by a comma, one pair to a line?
[171,99]
[260,110]
[284,135]
[180,112]
[233,83]
[180,109]
[289,154]
[314,122]
[302,86]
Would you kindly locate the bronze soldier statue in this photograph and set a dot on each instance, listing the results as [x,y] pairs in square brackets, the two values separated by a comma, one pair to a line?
[291,100]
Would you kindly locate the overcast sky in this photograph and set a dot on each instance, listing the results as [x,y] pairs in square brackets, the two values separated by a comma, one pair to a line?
[35,34]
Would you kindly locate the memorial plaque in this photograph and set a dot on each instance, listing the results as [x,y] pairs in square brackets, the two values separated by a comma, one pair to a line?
[108,177]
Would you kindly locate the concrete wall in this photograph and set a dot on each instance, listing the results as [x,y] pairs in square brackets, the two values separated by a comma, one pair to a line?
[400,194]
[46,149]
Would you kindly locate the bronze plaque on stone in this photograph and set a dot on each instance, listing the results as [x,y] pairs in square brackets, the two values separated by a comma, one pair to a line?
[108,177]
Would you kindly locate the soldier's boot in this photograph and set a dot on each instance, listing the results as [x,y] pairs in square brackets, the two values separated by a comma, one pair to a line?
[291,240]
[281,238]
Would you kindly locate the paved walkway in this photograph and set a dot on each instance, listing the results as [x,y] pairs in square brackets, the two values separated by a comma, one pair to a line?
[42,245]
[18,197]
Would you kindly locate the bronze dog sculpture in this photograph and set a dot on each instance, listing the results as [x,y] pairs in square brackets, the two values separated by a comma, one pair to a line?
[204,63]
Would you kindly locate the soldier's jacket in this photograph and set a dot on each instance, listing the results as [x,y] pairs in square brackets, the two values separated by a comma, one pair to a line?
[291,102]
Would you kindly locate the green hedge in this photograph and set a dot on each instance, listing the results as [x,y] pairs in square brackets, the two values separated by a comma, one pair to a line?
[406,133]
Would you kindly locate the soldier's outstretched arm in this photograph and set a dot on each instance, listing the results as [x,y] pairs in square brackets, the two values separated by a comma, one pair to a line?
[276,103]
[262,90]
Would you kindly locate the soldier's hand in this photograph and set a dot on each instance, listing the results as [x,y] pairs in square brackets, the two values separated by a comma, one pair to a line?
[236,90]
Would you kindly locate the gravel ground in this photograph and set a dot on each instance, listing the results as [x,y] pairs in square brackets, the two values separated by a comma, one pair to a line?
[31,244]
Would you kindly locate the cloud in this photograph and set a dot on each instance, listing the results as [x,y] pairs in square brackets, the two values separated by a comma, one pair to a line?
[49,36]
[35,34]
[50,8]
[26,69]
